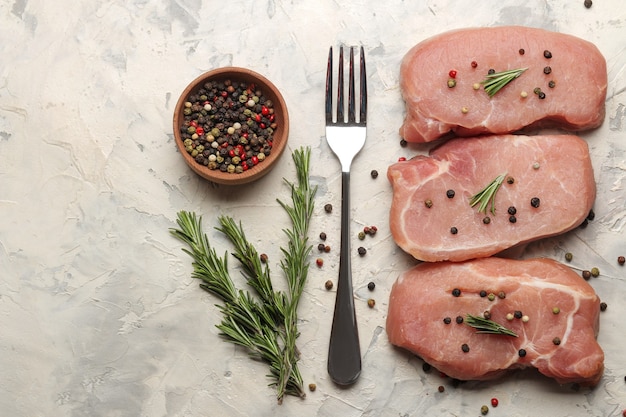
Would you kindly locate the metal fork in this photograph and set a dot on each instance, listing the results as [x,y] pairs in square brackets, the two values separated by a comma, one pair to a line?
[346,139]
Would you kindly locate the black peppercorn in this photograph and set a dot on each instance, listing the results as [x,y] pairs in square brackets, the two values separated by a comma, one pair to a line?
[483,293]
[521,353]
[512,210]
[328,208]
[362,251]
[456,292]
[547,54]
[510,180]
[551,84]
[535,202]
[374,174]
[263,257]
[603,306]
[512,219]
[465,348]
[621,260]
[371,286]
[522,51]
[320,247]
[454,230]
[591,215]
[403,143]
[486,220]
[541,95]
[447,320]
[441,388]
[547,70]
[323,236]
[588,3]
[426,367]
[450,193]
[556,341]
[586,274]
[459,319]
[517,314]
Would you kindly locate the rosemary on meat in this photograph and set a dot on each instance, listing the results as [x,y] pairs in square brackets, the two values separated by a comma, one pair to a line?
[496,81]
[487,326]
[264,321]
[487,195]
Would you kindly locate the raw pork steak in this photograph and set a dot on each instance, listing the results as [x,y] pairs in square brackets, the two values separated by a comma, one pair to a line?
[562,346]
[431,217]
[433,109]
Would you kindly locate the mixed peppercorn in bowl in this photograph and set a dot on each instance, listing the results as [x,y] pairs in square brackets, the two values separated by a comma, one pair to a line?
[231,125]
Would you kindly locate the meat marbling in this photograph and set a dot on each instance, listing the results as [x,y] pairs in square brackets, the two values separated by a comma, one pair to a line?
[554,168]
[422,297]
[575,102]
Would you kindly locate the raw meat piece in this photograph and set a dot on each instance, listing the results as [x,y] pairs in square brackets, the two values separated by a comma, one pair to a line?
[422,297]
[554,168]
[576,102]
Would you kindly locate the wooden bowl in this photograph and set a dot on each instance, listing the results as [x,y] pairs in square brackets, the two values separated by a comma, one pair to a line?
[278,137]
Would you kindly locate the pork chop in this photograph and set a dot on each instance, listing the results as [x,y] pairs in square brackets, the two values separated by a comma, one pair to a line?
[547,189]
[557,319]
[570,73]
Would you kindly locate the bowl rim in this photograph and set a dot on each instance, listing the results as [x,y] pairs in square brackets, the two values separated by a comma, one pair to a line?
[280,134]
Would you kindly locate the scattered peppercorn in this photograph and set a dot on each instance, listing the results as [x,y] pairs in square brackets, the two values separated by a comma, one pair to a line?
[487,314]
[474,64]
[523,94]
[454,230]
[491,296]
[459,319]
[456,292]
[603,306]
[621,260]
[465,348]
[361,235]
[537,90]
[312,387]
[535,202]
[441,388]
[509,316]
[464,109]
[569,256]
[584,224]
[522,51]
[512,210]
[450,193]
[401,159]
[502,295]
[374,174]
[586,274]
[428,203]
[494,402]
[362,251]
[512,219]
[491,71]
[371,303]
[403,143]
[328,208]
[556,341]
[547,70]
[323,236]
[541,95]
[451,83]
[536,165]
[591,215]
[525,318]
[521,353]
[447,320]
[371,285]
[327,248]
[320,247]
[328,285]
[426,367]
[588,3]
[483,293]
[547,54]
[484,410]
[551,84]
[486,220]
[556,310]
[595,272]
[517,314]
[510,180]
[319,262]
[263,258]
[452,73]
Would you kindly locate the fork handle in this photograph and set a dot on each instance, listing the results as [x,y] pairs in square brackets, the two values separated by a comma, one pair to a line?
[344,353]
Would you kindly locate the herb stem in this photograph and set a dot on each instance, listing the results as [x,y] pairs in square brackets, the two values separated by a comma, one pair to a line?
[496,81]
[486,326]
[487,195]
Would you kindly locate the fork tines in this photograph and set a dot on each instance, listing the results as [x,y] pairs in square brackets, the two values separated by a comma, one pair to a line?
[351,92]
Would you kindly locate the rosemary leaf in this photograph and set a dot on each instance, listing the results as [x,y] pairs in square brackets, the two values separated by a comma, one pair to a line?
[266,324]
[487,195]
[487,326]
[496,81]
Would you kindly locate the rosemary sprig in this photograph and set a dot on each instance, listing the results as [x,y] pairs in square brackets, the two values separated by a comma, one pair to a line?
[266,323]
[487,326]
[496,81]
[487,195]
